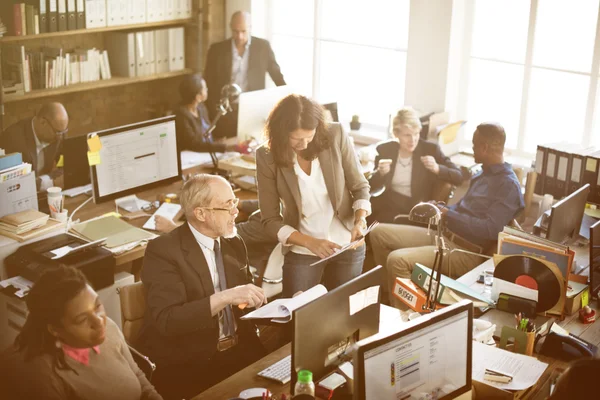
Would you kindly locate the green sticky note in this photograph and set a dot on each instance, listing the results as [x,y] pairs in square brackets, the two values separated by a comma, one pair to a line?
[93,158]
[585,298]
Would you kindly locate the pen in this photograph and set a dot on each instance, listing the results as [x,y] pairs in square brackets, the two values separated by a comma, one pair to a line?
[495,372]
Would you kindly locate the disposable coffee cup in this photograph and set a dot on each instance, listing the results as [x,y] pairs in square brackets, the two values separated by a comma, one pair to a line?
[55,200]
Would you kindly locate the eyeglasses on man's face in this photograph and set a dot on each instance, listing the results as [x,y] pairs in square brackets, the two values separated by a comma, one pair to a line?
[58,133]
[231,206]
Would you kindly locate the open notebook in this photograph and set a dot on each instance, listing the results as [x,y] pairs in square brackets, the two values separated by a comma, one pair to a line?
[281,310]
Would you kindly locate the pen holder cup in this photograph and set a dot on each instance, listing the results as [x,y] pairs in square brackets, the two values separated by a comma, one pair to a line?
[522,341]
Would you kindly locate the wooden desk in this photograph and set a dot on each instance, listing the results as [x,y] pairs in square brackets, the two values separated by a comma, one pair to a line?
[92,210]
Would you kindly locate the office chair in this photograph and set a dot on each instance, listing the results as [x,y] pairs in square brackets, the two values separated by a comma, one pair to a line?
[133,307]
[271,277]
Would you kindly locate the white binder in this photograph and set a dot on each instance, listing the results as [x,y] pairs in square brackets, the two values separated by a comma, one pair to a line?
[169,10]
[101,13]
[187,8]
[140,54]
[176,49]
[91,20]
[136,11]
[121,52]
[161,43]
[150,53]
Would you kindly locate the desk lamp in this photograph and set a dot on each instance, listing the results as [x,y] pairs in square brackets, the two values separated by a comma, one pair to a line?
[430,214]
[230,94]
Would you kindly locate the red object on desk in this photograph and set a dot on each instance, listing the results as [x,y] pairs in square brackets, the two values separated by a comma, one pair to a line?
[587,315]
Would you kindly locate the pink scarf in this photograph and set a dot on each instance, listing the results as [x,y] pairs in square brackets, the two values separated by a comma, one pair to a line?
[79,355]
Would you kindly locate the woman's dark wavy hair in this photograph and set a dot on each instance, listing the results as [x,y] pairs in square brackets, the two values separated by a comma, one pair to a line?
[291,113]
[46,302]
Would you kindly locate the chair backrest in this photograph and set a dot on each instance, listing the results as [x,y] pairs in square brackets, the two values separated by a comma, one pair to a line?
[442,191]
[133,307]
[273,275]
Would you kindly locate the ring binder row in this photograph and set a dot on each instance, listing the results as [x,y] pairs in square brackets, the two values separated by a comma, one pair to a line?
[31,17]
[563,168]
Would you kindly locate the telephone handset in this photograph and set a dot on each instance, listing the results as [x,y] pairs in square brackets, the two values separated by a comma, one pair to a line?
[566,347]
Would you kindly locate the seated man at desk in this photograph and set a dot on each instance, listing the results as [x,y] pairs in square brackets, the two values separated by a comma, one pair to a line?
[194,277]
[192,120]
[494,198]
[39,140]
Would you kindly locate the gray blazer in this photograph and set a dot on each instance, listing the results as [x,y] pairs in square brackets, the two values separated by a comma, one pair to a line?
[343,178]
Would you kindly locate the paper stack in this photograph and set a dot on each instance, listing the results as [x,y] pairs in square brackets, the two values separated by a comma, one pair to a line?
[22,222]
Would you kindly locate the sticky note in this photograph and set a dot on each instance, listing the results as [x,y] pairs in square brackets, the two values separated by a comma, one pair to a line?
[61,162]
[93,158]
[112,214]
[94,144]
[585,298]
[590,164]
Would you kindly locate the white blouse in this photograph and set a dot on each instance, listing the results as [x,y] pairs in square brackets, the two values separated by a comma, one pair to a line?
[402,176]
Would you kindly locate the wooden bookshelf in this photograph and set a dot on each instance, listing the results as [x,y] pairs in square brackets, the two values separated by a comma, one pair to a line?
[147,25]
[80,87]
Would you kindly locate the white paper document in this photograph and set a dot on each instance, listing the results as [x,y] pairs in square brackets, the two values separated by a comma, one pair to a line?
[167,210]
[525,370]
[281,310]
[349,246]
[23,285]
[363,299]
[502,286]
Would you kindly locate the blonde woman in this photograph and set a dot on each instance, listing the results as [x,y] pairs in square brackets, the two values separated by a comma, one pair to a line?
[407,169]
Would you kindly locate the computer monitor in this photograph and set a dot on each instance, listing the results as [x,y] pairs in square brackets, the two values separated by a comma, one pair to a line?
[595,259]
[135,157]
[430,358]
[75,163]
[566,216]
[254,109]
[324,329]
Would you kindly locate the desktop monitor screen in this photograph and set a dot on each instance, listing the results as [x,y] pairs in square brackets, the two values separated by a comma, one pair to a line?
[595,258]
[324,329]
[566,216]
[76,171]
[254,109]
[135,157]
[431,358]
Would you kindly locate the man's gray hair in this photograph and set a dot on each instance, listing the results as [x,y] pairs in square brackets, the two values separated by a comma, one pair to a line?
[196,192]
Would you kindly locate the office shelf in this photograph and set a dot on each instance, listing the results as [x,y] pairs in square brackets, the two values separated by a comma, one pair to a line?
[148,25]
[80,87]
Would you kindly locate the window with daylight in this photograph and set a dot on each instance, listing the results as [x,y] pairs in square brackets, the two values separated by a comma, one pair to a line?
[348,51]
[533,67]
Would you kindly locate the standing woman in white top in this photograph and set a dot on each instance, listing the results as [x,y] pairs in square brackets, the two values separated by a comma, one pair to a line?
[309,166]
[407,169]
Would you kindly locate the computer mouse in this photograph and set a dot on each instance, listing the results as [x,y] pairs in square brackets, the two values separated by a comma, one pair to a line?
[254,393]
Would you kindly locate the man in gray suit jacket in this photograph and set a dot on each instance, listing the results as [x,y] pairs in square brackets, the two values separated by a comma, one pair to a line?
[241,59]
[39,140]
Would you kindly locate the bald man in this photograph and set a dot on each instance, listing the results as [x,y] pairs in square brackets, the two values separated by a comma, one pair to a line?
[241,59]
[39,140]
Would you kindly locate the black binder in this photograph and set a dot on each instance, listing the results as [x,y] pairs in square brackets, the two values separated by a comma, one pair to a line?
[540,168]
[563,170]
[550,171]
[62,15]
[590,175]
[80,9]
[52,11]
[71,15]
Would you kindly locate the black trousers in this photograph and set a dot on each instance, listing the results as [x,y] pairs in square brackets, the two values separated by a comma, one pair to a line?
[184,381]
[389,204]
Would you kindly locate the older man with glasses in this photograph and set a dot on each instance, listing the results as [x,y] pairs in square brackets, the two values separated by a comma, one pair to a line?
[39,140]
[197,287]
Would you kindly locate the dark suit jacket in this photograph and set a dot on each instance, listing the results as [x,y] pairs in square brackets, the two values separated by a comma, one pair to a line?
[190,131]
[422,180]
[178,326]
[19,138]
[217,72]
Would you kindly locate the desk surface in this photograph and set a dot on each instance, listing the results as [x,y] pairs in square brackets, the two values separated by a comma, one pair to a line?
[248,378]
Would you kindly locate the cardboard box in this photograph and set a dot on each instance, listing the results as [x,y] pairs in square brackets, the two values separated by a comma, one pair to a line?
[18,194]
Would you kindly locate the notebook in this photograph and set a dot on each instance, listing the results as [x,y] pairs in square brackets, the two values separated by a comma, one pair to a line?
[116,231]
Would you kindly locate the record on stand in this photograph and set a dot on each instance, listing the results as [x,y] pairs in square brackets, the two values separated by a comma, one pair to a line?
[535,274]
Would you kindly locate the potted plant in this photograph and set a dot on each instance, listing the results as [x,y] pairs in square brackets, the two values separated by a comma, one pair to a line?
[355,123]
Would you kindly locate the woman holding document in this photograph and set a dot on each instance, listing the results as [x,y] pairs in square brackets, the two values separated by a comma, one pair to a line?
[310,167]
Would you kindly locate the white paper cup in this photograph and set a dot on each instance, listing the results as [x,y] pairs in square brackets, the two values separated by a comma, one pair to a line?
[54,200]
[62,216]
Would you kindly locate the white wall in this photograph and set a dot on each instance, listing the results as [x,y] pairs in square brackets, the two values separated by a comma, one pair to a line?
[232,6]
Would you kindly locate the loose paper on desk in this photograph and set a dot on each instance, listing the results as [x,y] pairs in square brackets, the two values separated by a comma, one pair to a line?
[349,246]
[23,285]
[525,370]
[167,210]
[281,310]
[502,286]
[363,299]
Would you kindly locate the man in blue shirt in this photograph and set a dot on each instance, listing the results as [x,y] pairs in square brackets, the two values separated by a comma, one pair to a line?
[494,198]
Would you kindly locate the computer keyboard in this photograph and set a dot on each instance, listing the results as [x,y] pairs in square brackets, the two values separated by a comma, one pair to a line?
[280,372]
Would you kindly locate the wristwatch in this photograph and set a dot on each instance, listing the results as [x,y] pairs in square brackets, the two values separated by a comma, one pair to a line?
[362,221]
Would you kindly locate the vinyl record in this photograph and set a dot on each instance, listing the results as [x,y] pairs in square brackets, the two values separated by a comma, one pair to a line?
[519,269]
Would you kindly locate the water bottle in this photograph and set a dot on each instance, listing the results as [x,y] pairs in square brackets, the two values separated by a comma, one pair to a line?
[304,384]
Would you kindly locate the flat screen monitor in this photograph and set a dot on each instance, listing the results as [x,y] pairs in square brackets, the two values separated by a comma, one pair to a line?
[595,259]
[254,109]
[324,330]
[430,359]
[134,158]
[566,216]
[75,169]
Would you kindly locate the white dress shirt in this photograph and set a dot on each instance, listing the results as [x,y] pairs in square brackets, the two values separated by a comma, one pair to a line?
[239,65]
[401,180]
[207,245]
[318,217]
